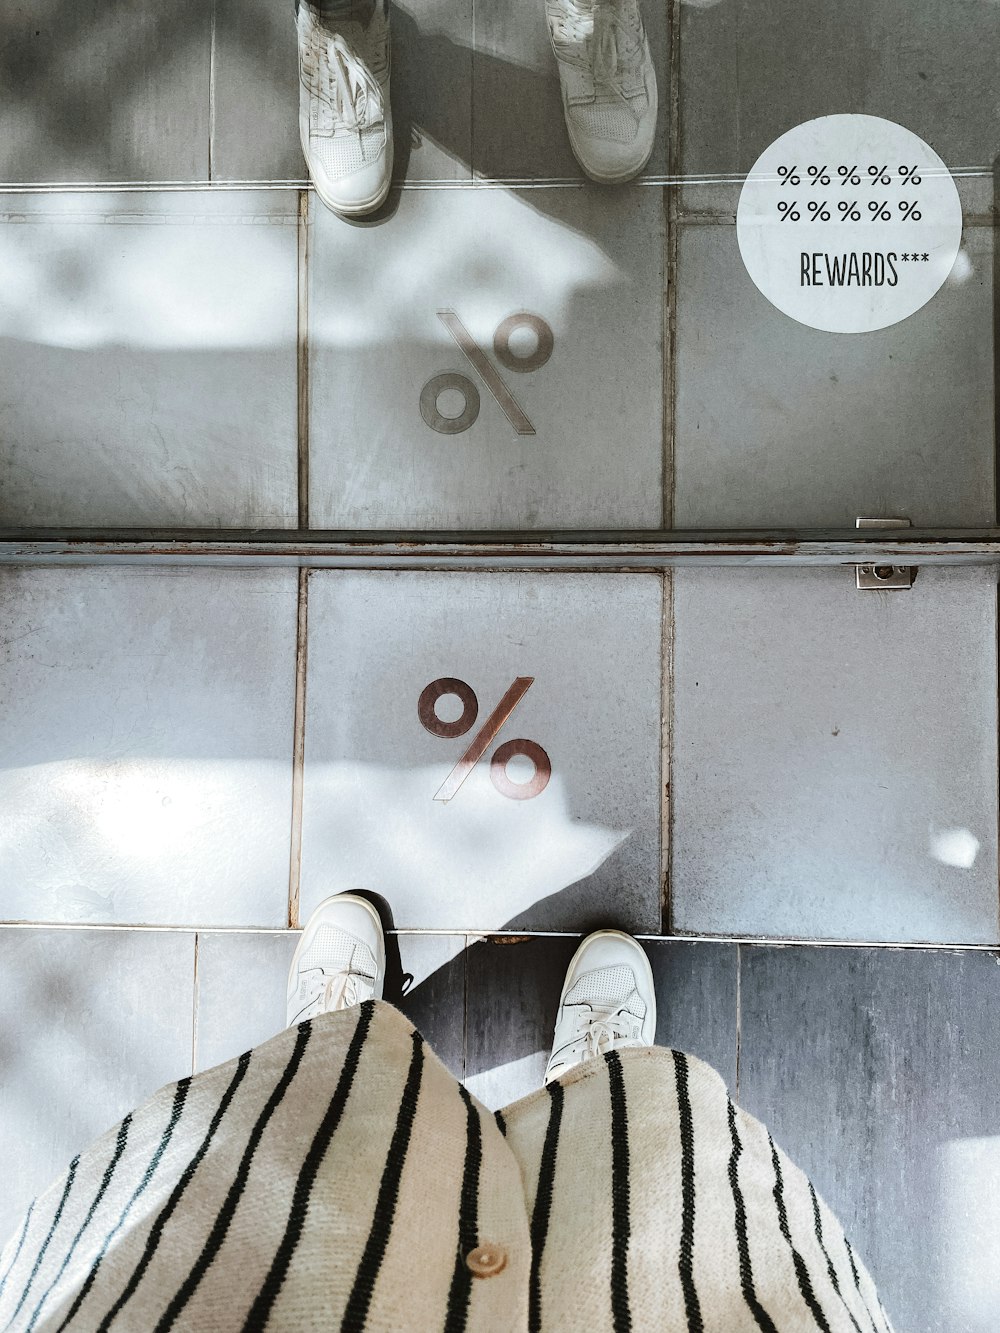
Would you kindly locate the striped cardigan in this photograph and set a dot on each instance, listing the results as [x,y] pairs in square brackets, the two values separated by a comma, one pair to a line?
[339,1177]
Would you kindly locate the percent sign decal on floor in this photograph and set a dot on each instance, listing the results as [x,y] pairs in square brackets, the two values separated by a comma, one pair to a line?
[486,371]
[487,734]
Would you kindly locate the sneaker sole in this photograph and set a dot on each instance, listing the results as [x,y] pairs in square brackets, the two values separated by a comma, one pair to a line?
[307,936]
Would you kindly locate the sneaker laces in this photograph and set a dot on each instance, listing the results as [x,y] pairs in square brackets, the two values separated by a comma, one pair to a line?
[603,40]
[338,990]
[600,1030]
[345,84]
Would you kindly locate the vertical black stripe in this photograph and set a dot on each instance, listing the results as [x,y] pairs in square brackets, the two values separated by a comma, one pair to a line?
[857,1284]
[272,1284]
[501,1122]
[167,1210]
[17,1253]
[468,1220]
[359,1300]
[180,1096]
[109,1171]
[685,1262]
[620,1192]
[801,1271]
[70,1177]
[235,1192]
[543,1205]
[764,1320]
[830,1270]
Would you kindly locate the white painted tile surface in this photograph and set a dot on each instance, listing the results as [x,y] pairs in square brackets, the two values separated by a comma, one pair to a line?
[779,425]
[148,360]
[93,1023]
[588,263]
[145,758]
[587,845]
[834,768]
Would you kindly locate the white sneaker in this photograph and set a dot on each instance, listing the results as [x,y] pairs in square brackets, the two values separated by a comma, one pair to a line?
[345,122]
[339,961]
[607,1001]
[608,84]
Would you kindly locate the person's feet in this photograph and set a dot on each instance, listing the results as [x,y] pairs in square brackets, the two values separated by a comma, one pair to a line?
[339,961]
[345,121]
[608,84]
[607,1001]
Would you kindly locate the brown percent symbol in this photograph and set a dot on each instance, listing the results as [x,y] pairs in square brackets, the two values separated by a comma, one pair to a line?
[484,738]
[484,368]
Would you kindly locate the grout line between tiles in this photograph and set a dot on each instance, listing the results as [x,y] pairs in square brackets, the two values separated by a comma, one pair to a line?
[302,361]
[465,1007]
[211,96]
[298,749]
[472,92]
[474,936]
[449,183]
[194,1008]
[666,743]
[739,1017]
[670,219]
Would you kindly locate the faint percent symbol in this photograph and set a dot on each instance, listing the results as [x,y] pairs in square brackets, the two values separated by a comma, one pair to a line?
[484,738]
[481,364]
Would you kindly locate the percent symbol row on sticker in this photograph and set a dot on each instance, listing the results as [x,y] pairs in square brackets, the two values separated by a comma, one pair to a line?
[849,210]
[484,738]
[848,175]
[520,363]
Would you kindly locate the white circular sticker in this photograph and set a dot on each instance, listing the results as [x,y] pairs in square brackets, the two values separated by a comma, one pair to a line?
[849,223]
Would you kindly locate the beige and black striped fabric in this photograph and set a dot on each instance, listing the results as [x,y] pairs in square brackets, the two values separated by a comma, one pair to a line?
[339,1177]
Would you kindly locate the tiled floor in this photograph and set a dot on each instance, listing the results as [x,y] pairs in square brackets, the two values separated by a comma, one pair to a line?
[875,1069]
[755,755]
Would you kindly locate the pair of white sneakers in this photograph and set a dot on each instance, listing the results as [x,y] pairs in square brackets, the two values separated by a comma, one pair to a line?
[345,121]
[607,1000]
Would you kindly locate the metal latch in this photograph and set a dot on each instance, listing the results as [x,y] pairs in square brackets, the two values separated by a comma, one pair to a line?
[884,576]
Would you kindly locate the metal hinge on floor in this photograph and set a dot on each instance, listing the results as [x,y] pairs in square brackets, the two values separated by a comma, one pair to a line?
[884,576]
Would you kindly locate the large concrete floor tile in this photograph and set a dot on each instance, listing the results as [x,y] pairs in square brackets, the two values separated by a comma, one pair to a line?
[877,1071]
[146,751]
[584,847]
[513,999]
[779,425]
[105,90]
[518,127]
[256,128]
[696,1000]
[751,69]
[242,980]
[149,360]
[395,307]
[834,768]
[93,1022]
